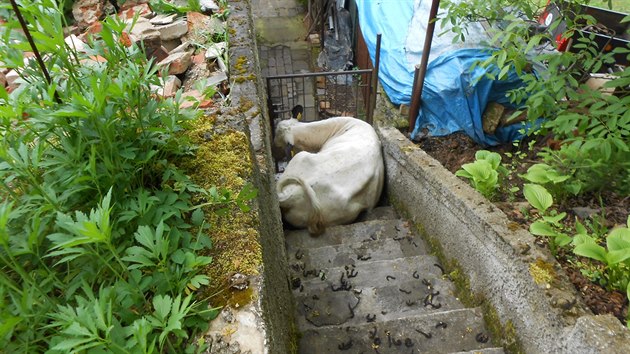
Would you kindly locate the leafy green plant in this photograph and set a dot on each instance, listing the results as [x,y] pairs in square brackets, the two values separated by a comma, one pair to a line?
[615,256]
[593,126]
[166,7]
[553,181]
[549,221]
[101,245]
[484,172]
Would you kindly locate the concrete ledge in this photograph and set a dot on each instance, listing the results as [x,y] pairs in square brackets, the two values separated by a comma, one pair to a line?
[266,325]
[498,257]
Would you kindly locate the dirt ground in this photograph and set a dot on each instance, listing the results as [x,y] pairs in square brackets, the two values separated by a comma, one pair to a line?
[454,150]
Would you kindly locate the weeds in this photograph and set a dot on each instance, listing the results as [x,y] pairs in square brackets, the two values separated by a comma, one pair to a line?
[100,242]
[591,128]
[486,173]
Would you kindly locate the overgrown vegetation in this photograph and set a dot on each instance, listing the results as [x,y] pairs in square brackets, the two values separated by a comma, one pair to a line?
[591,127]
[486,173]
[101,245]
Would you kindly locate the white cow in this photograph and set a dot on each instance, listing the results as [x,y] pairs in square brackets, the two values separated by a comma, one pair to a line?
[337,174]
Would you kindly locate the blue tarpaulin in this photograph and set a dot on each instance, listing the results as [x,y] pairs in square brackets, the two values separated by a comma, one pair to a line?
[454,96]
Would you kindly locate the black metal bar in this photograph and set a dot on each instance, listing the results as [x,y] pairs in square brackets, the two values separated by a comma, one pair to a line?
[38,56]
[357,92]
[321,73]
[374,85]
[416,93]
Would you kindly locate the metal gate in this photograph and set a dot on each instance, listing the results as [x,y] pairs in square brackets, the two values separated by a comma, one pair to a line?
[322,95]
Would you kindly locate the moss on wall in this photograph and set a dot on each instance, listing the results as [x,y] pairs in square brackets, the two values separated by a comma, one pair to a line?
[223,160]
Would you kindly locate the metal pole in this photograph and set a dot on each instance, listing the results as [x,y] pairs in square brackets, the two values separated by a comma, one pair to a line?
[38,56]
[416,93]
[374,84]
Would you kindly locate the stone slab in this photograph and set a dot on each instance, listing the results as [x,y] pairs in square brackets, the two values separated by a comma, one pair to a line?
[449,331]
[363,274]
[374,230]
[374,304]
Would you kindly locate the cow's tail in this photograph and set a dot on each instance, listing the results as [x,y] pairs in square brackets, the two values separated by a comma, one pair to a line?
[315,221]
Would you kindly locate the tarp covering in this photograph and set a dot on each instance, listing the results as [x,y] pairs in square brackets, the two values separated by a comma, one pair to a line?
[454,97]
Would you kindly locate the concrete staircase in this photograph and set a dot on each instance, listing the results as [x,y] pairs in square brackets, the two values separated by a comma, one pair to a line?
[371,287]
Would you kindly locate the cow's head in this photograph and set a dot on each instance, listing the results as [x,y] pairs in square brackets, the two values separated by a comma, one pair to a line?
[283,141]
[284,135]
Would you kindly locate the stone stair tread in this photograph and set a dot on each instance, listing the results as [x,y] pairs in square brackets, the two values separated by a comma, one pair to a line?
[439,332]
[352,233]
[351,253]
[326,307]
[379,213]
[483,351]
[362,274]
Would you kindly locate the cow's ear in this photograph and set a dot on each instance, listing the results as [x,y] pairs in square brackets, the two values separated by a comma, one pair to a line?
[299,117]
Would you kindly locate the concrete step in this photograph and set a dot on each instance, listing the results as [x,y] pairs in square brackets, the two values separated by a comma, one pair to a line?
[440,332]
[378,213]
[367,231]
[353,253]
[483,351]
[362,274]
[324,307]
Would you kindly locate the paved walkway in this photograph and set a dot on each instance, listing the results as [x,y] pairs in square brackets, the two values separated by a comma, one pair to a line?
[282,50]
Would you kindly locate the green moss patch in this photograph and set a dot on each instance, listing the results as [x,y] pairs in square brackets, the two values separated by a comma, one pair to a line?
[223,160]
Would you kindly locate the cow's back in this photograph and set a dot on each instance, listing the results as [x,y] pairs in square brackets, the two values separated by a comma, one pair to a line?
[346,174]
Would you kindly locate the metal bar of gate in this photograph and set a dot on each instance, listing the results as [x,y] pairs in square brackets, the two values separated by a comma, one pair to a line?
[374,83]
[320,73]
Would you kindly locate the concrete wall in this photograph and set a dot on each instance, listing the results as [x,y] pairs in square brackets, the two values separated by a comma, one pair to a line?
[248,94]
[495,256]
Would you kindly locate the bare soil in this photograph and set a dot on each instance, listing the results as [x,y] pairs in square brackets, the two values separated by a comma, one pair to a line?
[454,150]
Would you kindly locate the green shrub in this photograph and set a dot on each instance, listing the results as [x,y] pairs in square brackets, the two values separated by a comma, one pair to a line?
[101,247]
[594,127]
[484,173]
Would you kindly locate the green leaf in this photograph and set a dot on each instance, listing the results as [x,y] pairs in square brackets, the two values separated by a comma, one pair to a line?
[562,239]
[537,196]
[582,238]
[480,170]
[5,214]
[591,250]
[618,239]
[179,311]
[463,173]
[76,329]
[541,173]
[540,228]
[248,192]
[198,280]
[554,219]
[178,257]
[8,324]
[140,256]
[162,305]
[619,256]
[197,217]
[71,344]
[579,228]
